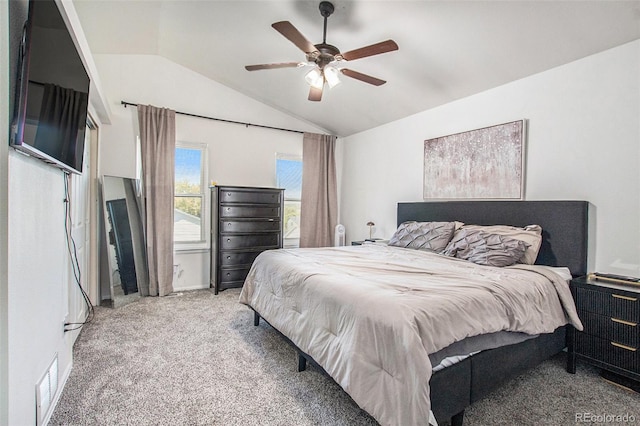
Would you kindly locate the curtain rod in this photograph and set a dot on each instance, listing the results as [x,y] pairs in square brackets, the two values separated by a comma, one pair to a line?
[126,104]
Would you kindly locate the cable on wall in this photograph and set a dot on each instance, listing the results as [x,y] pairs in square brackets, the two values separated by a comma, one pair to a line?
[223,120]
[73,256]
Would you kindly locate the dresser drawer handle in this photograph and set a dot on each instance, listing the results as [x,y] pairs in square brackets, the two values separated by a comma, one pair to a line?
[621,346]
[229,258]
[632,299]
[619,321]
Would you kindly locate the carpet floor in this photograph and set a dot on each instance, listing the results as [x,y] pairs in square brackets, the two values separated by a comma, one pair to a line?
[196,359]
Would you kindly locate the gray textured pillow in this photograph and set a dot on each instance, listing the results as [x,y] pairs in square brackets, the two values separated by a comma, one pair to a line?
[531,235]
[432,236]
[486,249]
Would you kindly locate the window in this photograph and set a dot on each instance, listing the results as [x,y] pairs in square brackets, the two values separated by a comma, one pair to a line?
[289,177]
[189,201]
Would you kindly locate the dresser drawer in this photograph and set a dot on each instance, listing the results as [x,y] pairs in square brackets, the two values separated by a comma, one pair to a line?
[249,226]
[257,197]
[226,275]
[249,211]
[605,351]
[240,241]
[614,329]
[231,258]
[609,302]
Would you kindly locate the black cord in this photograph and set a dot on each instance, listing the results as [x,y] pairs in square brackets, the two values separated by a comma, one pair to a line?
[73,256]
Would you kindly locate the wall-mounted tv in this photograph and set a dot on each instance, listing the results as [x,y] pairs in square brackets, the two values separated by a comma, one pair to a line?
[52,91]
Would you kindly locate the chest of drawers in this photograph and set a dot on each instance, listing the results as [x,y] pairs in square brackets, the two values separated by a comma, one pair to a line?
[245,221]
[610,314]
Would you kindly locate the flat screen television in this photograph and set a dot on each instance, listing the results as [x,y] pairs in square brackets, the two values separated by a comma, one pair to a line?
[52,91]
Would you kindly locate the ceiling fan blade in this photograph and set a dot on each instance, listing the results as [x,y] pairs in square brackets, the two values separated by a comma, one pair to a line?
[271,66]
[374,49]
[362,77]
[315,94]
[287,29]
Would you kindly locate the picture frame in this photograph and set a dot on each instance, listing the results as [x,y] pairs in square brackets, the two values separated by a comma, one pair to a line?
[484,164]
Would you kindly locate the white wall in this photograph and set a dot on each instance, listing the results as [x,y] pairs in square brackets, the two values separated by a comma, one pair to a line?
[4,143]
[583,144]
[34,298]
[37,288]
[238,155]
[236,151]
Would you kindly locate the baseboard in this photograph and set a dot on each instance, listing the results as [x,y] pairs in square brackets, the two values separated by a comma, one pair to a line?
[190,288]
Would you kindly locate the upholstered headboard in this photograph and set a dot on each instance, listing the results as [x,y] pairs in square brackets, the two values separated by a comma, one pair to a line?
[564,224]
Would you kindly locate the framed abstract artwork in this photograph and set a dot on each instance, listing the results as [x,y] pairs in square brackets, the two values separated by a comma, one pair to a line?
[485,163]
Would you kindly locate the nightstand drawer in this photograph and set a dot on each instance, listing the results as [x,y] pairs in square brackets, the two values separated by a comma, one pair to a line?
[615,329]
[613,303]
[612,353]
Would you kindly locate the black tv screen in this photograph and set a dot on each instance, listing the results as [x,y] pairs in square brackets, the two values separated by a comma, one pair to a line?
[53,91]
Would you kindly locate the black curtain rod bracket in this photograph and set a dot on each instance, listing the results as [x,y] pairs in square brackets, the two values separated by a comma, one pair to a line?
[126,104]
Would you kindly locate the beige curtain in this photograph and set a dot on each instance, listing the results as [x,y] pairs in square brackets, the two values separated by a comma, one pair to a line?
[319,212]
[158,146]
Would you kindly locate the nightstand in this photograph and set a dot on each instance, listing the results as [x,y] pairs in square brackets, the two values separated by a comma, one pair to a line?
[610,314]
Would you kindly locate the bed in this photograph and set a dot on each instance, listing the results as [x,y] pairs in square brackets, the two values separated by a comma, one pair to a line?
[378,344]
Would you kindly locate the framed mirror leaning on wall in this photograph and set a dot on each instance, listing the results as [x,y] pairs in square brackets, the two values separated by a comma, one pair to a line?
[125,270]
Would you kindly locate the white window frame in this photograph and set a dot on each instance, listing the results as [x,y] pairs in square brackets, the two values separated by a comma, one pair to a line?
[288,242]
[203,243]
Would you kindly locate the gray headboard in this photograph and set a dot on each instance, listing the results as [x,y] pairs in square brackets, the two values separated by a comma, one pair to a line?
[564,224]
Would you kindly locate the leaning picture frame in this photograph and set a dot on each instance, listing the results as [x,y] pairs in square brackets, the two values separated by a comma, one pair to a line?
[486,163]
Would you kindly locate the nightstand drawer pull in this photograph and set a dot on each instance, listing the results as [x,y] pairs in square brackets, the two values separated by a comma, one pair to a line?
[619,321]
[632,299]
[628,348]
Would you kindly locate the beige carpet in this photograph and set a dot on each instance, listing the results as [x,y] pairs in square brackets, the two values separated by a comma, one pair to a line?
[197,359]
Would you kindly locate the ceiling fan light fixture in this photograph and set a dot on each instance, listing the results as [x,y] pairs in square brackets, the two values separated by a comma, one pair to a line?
[331,76]
[323,57]
[315,78]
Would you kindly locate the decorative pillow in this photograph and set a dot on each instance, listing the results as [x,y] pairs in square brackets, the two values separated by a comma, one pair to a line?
[432,236]
[486,249]
[530,234]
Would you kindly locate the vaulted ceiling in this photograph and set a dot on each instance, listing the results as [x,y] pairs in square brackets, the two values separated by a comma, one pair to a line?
[447,49]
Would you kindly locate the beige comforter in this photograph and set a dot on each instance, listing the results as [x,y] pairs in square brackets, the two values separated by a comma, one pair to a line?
[371,314]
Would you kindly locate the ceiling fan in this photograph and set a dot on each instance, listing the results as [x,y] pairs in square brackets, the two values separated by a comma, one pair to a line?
[324,57]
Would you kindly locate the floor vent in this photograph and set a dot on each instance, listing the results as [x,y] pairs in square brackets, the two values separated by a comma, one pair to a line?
[46,391]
